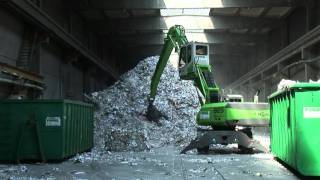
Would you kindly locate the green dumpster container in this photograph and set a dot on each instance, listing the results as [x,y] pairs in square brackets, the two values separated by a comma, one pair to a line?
[295,127]
[44,129]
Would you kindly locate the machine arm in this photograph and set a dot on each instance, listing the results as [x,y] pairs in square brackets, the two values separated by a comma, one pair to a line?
[175,39]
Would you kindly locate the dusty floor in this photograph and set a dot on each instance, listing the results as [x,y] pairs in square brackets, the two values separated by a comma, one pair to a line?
[163,163]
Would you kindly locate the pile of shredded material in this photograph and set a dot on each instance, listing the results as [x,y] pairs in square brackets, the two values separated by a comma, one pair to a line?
[121,123]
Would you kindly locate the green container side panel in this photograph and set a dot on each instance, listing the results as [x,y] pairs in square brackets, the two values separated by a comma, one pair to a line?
[57,128]
[308,131]
[295,127]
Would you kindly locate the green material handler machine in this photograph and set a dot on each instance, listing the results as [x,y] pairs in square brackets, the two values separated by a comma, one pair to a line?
[229,117]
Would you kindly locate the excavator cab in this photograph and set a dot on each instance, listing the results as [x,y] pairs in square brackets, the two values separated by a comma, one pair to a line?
[194,64]
[191,55]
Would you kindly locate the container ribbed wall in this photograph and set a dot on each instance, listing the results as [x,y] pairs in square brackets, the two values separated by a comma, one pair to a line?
[44,129]
[295,127]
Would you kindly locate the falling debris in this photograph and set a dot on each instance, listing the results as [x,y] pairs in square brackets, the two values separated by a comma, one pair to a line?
[121,123]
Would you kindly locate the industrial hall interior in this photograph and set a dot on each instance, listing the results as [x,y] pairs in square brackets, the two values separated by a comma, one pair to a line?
[159,89]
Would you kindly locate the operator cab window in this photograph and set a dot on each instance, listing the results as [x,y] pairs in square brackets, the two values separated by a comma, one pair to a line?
[182,60]
[201,50]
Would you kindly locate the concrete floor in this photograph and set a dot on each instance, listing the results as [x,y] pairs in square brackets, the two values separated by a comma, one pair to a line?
[163,163]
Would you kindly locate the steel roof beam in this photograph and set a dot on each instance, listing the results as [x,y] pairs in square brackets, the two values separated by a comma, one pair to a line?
[189,22]
[164,4]
[211,38]
[217,49]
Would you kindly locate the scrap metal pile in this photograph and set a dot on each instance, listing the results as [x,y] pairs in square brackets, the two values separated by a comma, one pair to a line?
[121,123]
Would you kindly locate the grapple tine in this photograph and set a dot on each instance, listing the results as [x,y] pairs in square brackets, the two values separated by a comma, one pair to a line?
[153,114]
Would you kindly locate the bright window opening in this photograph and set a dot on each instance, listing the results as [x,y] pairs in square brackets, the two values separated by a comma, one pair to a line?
[187,31]
[185,12]
[194,31]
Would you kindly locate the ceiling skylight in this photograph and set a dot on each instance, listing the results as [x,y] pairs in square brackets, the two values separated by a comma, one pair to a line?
[194,31]
[185,12]
[187,31]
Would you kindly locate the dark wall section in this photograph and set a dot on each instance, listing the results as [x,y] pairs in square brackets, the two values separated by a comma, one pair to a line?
[73,23]
[78,29]
[51,71]
[276,41]
[66,74]
[57,10]
[67,78]
[317,12]
[297,24]
[11,34]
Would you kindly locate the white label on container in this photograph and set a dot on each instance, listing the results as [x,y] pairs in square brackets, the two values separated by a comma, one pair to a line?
[205,115]
[53,121]
[311,112]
